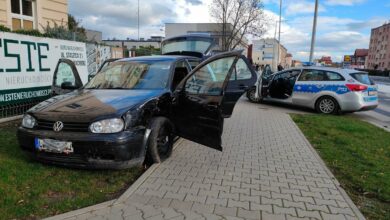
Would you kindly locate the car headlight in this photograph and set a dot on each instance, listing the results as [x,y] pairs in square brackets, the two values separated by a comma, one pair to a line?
[106,126]
[28,121]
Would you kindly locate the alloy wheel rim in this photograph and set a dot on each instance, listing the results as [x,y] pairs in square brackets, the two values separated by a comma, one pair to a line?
[327,106]
[163,143]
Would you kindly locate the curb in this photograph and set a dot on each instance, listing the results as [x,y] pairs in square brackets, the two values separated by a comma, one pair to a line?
[142,178]
[348,200]
[121,198]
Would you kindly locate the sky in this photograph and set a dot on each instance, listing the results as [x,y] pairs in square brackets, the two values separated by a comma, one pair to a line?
[343,25]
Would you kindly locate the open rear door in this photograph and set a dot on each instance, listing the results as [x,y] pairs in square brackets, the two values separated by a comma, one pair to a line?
[66,78]
[200,99]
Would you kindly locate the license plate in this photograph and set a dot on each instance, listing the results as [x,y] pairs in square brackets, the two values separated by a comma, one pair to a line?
[372,93]
[53,146]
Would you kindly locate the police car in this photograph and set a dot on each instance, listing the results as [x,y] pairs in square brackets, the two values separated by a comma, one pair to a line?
[327,90]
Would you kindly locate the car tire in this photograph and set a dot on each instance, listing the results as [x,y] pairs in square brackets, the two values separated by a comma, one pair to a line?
[251,95]
[327,105]
[160,141]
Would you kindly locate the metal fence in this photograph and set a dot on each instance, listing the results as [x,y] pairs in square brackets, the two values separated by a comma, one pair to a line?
[17,109]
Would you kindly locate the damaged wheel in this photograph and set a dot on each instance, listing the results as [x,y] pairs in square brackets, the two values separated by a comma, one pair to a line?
[160,141]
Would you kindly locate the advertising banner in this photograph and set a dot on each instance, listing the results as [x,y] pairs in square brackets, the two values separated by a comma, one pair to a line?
[27,65]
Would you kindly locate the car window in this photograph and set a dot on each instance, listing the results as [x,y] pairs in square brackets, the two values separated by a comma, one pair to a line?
[132,75]
[242,70]
[64,74]
[332,76]
[363,78]
[313,75]
[209,79]
[180,72]
[193,63]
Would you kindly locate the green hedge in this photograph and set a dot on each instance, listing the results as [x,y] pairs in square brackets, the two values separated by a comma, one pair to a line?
[56,32]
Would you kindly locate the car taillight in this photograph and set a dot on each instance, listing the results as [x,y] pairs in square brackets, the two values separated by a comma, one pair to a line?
[356,87]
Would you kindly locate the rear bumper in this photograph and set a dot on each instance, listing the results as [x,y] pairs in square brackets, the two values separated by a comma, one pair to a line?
[356,101]
[91,151]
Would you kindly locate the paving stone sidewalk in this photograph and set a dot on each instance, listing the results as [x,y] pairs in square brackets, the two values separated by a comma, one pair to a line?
[267,170]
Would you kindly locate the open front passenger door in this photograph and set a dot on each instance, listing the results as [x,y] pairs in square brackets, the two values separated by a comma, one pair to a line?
[66,78]
[200,99]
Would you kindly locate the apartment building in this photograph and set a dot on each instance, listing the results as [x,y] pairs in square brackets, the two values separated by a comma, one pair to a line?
[33,14]
[379,51]
[265,51]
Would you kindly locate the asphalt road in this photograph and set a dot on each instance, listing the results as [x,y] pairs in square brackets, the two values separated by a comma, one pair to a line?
[381,115]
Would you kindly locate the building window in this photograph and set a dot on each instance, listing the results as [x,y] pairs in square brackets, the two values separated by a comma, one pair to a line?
[23,14]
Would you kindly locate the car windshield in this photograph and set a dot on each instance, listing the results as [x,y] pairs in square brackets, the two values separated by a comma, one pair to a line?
[363,78]
[132,75]
[200,45]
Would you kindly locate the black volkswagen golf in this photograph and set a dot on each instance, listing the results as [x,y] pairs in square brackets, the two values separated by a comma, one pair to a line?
[132,110]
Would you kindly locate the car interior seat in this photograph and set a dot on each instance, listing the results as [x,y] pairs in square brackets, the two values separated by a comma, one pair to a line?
[178,76]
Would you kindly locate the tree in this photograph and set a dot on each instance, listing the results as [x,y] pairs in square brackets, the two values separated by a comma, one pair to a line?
[238,18]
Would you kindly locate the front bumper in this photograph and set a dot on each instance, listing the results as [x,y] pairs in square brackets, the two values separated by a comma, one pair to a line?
[91,151]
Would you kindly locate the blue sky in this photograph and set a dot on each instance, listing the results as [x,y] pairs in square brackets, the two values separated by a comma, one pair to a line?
[343,25]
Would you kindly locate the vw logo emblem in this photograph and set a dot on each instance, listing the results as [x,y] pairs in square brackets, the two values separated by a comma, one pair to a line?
[58,126]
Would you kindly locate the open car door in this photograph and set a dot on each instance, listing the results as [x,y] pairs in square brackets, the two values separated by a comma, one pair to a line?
[66,78]
[200,101]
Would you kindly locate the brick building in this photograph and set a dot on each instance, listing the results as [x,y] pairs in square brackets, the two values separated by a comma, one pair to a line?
[379,51]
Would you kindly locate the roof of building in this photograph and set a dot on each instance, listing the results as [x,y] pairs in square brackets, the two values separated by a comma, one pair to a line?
[361,52]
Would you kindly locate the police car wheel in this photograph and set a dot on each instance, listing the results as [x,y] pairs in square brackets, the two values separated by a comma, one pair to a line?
[327,105]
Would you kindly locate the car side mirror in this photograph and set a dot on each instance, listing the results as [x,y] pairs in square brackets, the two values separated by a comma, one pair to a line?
[68,86]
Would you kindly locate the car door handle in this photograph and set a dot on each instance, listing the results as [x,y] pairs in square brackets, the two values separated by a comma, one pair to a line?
[212,107]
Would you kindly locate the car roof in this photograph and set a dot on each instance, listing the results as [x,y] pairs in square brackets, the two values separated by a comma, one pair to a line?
[333,69]
[171,58]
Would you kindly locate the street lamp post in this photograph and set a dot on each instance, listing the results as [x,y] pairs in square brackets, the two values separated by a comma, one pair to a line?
[280,25]
[138,20]
[313,35]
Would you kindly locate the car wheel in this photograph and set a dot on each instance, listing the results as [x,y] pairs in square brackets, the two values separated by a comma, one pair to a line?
[160,141]
[251,95]
[327,105]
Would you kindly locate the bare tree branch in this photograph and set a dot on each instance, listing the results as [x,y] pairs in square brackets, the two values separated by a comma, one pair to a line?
[238,18]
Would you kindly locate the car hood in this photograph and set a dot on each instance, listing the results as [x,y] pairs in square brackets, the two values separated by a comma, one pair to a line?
[90,105]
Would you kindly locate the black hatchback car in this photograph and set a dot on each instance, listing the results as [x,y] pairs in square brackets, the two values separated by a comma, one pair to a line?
[132,110]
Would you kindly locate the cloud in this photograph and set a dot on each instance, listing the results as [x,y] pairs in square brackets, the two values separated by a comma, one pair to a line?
[119,18]
[194,2]
[302,7]
[344,2]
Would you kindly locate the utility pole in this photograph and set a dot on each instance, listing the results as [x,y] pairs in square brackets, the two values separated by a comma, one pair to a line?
[280,25]
[273,47]
[313,35]
[138,21]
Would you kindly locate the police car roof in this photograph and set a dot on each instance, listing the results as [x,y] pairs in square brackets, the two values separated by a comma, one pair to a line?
[333,69]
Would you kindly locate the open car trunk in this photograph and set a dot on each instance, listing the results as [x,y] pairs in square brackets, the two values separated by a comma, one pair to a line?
[188,45]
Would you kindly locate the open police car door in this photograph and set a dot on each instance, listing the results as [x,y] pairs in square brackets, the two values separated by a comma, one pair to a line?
[66,78]
[204,97]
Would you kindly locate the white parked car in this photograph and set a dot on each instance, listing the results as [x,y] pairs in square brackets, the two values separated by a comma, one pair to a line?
[327,90]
